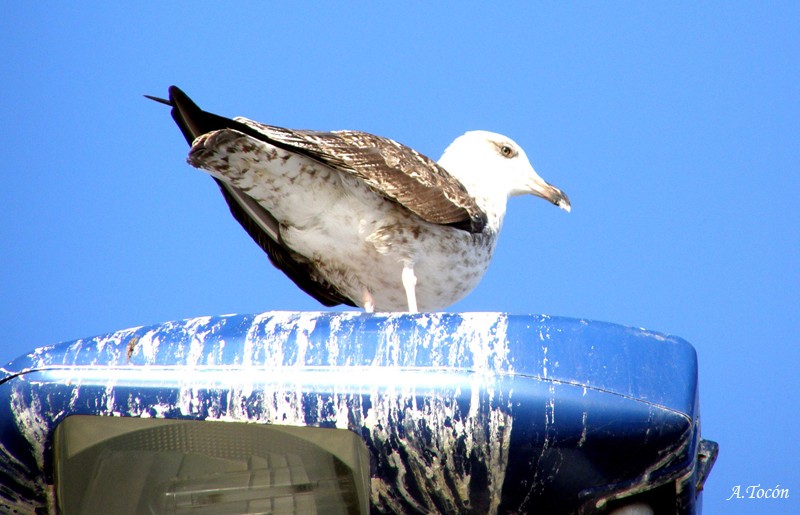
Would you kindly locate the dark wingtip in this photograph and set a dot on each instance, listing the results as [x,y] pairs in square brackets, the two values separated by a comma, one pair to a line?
[180,99]
[193,121]
[189,117]
[159,100]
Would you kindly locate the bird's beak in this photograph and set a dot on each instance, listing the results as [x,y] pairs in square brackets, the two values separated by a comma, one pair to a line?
[547,191]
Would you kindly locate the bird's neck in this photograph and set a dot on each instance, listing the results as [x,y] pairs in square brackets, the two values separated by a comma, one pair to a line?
[490,194]
[493,204]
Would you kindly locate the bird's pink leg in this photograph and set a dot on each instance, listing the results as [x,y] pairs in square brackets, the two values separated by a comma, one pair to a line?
[367,300]
[410,283]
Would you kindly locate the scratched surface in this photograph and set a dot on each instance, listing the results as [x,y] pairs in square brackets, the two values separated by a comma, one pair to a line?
[460,412]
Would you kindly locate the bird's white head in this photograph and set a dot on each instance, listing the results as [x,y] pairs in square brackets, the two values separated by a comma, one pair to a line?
[492,165]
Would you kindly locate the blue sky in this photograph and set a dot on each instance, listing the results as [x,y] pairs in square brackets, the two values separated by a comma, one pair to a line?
[674,128]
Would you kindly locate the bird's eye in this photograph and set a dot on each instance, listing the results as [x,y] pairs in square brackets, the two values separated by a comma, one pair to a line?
[507,151]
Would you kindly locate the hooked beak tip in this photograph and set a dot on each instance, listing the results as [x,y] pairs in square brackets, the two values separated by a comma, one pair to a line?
[557,197]
[547,191]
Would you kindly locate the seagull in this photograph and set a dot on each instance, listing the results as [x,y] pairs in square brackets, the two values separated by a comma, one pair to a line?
[358,219]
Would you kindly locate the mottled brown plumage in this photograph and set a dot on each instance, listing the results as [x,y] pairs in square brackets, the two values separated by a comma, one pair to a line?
[358,219]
